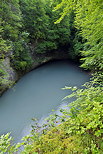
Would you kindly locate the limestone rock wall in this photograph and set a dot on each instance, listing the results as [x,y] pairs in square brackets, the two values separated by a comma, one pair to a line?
[8,75]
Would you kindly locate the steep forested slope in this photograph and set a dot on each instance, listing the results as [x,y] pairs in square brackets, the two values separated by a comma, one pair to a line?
[78,28]
[27,31]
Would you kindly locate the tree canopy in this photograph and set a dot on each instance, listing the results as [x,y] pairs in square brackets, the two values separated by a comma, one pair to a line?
[89,22]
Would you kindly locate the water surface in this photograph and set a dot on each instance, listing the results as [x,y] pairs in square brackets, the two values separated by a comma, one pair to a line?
[36,94]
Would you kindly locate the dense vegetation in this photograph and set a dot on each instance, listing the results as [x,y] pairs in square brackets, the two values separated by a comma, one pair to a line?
[78,28]
[27,30]
[29,25]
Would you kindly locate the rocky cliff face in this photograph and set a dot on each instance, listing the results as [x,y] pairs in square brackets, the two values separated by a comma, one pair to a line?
[9,76]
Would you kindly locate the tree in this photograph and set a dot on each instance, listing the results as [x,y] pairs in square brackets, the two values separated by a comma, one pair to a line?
[34,19]
[89,20]
[38,22]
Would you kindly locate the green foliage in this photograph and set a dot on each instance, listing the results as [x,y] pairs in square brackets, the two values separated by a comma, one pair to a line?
[76,40]
[4,47]
[26,24]
[6,145]
[13,41]
[89,20]
[80,129]
[38,21]
[11,17]
[22,59]
[34,18]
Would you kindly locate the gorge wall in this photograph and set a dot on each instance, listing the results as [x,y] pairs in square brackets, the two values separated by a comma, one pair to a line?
[11,75]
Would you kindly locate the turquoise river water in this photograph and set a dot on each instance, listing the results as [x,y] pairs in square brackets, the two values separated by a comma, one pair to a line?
[36,94]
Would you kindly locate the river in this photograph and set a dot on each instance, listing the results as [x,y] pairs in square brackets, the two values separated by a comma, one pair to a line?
[36,94]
